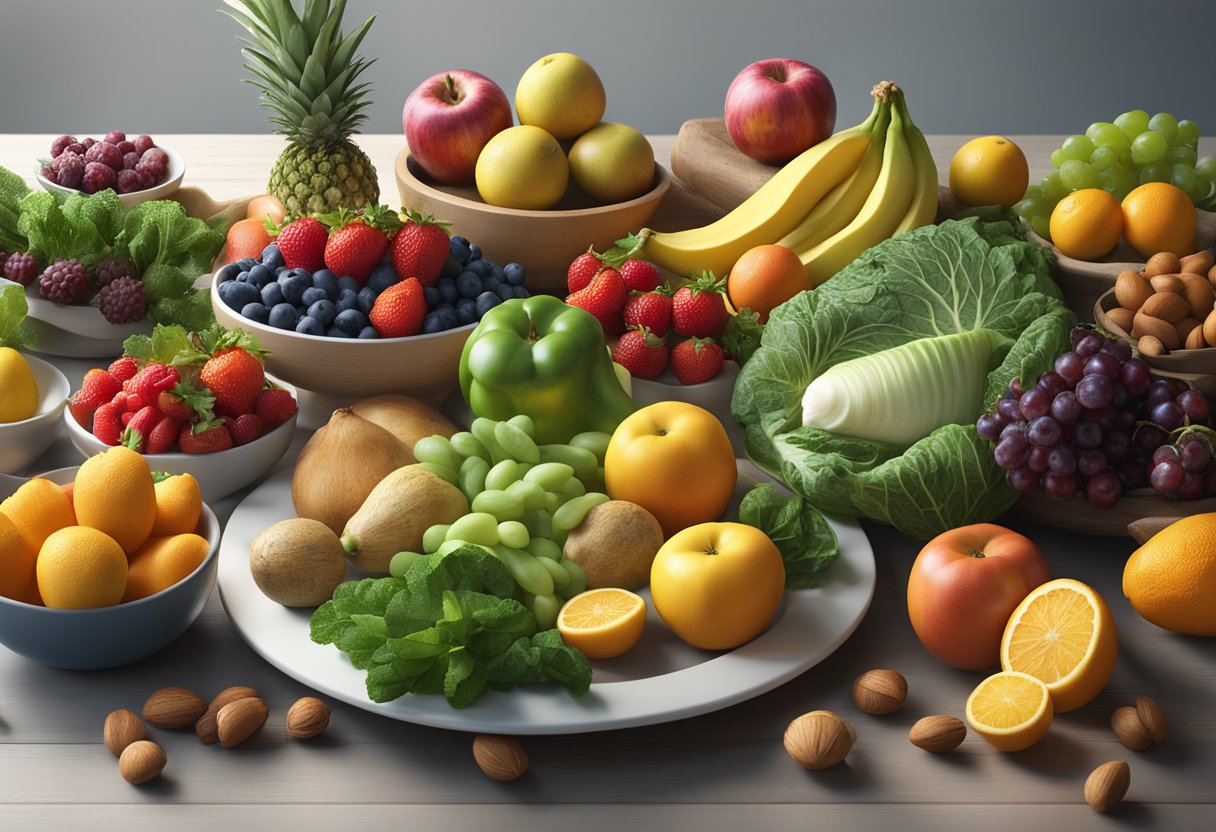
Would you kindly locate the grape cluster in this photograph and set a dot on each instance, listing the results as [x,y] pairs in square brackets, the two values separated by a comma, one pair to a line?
[1119,156]
[1099,424]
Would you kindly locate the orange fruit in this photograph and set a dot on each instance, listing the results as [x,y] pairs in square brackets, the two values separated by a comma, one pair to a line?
[17,560]
[266,207]
[179,504]
[38,508]
[1157,217]
[81,568]
[1062,634]
[115,495]
[764,278]
[1011,710]
[1086,224]
[1171,579]
[602,623]
[163,561]
[990,170]
[247,238]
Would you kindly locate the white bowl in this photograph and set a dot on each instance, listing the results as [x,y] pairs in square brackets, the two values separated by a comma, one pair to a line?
[177,170]
[218,474]
[23,442]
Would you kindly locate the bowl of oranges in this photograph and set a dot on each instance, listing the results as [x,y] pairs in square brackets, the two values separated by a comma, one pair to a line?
[103,565]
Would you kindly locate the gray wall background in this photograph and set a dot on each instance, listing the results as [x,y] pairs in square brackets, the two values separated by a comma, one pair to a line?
[969,66]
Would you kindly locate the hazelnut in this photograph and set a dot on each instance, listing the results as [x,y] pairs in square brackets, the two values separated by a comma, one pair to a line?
[880,691]
[819,740]
[500,758]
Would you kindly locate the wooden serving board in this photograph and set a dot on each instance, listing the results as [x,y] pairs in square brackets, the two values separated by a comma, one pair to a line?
[707,161]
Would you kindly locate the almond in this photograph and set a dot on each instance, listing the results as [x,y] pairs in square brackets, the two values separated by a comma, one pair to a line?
[1209,328]
[819,740]
[173,708]
[880,691]
[1199,295]
[1185,327]
[1163,331]
[1121,318]
[307,718]
[122,728]
[238,721]
[500,758]
[141,761]
[1163,263]
[937,733]
[1129,729]
[1167,306]
[205,727]
[1153,717]
[1195,340]
[1167,283]
[1132,290]
[1200,262]
[1212,276]
[1107,784]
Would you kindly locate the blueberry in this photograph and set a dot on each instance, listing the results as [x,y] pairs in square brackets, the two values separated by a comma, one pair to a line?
[260,276]
[255,312]
[491,284]
[469,285]
[459,248]
[367,299]
[309,325]
[464,241]
[229,272]
[351,321]
[466,311]
[311,295]
[431,295]
[245,264]
[447,317]
[497,271]
[335,332]
[382,277]
[294,283]
[284,316]
[324,279]
[272,293]
[447,290]
[451,267]
[474,251]
[236,294]
[242,277]
[324,311]
[430,324]
[519,292]
[347,299]
[271,257]
[479,267]
[347,282]
[514,273]
[368,332]
[485,302]
[505,291]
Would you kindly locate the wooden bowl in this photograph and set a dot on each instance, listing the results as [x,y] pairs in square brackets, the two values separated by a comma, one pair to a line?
[544,242]
[1079,515]
[1177,361]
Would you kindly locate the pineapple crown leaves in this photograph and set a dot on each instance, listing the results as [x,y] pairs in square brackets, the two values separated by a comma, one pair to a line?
[705,283]
[413,215]
[380,217]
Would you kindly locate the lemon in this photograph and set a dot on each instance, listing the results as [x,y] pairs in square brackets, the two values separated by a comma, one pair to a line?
[990,170]
[81,568]
[20,399]
[1171,579]
[522,167]
[602,623]
[1011,710]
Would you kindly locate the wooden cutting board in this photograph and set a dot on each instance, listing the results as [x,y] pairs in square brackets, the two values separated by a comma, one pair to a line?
[707,161]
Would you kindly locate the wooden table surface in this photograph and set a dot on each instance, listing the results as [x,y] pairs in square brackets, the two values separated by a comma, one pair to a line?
[722,771]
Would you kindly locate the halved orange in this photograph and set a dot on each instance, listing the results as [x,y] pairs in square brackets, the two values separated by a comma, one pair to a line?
[602,623]
[1064,635]
[1011,710]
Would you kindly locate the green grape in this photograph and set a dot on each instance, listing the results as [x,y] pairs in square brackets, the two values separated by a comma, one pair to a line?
[1125,158]
[1206,167]
[1103,158]
[1155,172]
[1147,148]
[550,475]
[502,475]
[1117,181]
[540,547]
[545,609]
[1184,177]
[1105,134]
[1165,125]
[1034,192]
[473,476]
[524,423]
[514,534]
[1053,188]
[1188,132]
[1041,225]
[401,563]
[515,441]
[1028,208]
[1199,189]
[1057,158]
[1077,175]
[442,471]
[499,503]
[433,537]
[1180,154]
[1077,147]
[439,451]
[466,444]
[1132,123]
[530,575]
[479,528]
[529,493]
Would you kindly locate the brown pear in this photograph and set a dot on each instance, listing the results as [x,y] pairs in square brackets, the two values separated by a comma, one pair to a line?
[340,465]
[407,419]
[395,515]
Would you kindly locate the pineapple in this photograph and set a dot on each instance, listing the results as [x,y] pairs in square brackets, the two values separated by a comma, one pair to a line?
[306,69]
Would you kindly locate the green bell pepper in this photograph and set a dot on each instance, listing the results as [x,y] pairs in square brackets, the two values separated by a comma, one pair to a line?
[539,357]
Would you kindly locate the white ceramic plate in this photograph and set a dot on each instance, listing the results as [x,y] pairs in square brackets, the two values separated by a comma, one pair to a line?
[173,181]
[660,680]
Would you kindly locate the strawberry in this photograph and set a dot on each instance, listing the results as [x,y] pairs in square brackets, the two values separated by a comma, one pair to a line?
[698,309]
[399,310]
[140,426]
[150,380]
[640,275]
[136,402]
[124,368]
[204,438]
[696,360]
[604,297]
[125,417]
[420,247]
[97,388]
[586,266]
[106,424]
[302,244]
[120,401]
[357,243]
[186,403]
[275,406]
[650,309]
[245,428]
[163,437]
[235,377]
[642,353]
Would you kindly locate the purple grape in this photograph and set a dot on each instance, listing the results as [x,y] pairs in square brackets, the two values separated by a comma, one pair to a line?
[1089,345]
[1092,462]
[1038,459]
[1168,414]
[989,426]
[1015,388]
[1104,489]
[1121,399]
[1103,365]
[1043,431]
[1165,452]
[1195,405]
[1078,334]
[1150,437]
[1104,417]
[1071,367]
[1135,376]
[1034,403]
[1023,479]
[1141,457]
[1088,435]
[1018,428]
[1066,433]
[1195,454]
[1120,350]
[1094,391]
[1125,421]
[1062,460]
[1178,386]
[1059,486]
[1116,445]
[1132,476]
[1009,410]
[1166,476]
[1052,382]
[1159,391]
[1065,407]
[1191,487]
[1011,452]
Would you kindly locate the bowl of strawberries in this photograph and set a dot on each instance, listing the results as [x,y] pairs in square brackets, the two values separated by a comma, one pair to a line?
[196,403]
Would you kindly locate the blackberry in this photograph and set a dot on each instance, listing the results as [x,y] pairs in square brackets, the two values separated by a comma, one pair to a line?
[64,281]
[123,301]
[98,177]
[70,168]
[60,144]
[106,153]
[129,181]
[110,269]
[21,268]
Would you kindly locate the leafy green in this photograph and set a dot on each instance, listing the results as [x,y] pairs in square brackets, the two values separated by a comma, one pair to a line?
[974,273]
[160,232]
[741,338]
[12,190]
[450,625]
[807,543]
[14,332]
[174,344]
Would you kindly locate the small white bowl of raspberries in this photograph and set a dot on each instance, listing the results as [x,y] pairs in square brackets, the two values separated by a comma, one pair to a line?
[135,168]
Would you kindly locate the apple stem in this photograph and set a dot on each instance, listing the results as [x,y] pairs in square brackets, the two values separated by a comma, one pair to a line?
[976,553]
[450,94]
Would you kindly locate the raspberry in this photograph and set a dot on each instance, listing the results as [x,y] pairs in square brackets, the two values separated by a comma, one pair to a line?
[146,180]
[116,136]
[155,162]
[130,160]
[76,148]
[98,177]
[87,143]
[110,269]
[129,181]
[123,301]
[143,144]
[106,153]
[70,168]
[64,281]
[49,174]
[60,144]
[21,268]
[125,147]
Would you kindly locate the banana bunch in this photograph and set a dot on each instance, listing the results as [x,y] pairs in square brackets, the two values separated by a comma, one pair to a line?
[849,192]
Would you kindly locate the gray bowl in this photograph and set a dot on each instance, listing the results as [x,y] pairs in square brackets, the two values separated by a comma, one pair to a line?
[109,636]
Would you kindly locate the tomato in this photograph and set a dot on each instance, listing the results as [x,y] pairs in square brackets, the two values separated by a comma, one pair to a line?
[964,586]
[717,585]
[675,460]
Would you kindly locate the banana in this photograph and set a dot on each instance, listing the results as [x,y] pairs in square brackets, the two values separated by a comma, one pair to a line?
[769,213]
[883,210]
[843,203]
[924,202]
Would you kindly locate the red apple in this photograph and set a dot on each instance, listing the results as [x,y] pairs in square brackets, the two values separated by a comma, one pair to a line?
[779,107]
[449,118]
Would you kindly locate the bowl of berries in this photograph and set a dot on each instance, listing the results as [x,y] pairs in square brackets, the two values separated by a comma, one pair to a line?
[136,168]
[192,403]
[358,305]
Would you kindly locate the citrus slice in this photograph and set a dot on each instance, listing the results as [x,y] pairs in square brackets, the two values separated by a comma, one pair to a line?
[1064,635]
[602,623]
[1011,710]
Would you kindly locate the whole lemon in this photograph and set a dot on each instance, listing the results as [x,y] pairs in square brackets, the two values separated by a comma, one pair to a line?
[561,94]
[1086,224]
[522,167]
[1171,579]
[20,399]
[612,162]
[81,568]
[990,170]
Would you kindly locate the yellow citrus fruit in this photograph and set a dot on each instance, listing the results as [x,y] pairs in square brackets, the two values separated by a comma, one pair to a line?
[1064,635]
[990,170]
[20,398]
[1011,710]
[179,504]
[1158,217]
[17,559]
[39,508]
[163,561]
[1171,579]
[1086,224]
[81,568]
[522,167]
[602,623]
[114,494]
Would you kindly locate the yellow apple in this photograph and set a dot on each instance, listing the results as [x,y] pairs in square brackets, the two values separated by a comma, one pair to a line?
[562,94]
[522,167]
[612,162]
